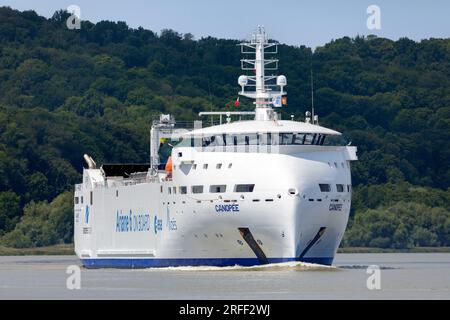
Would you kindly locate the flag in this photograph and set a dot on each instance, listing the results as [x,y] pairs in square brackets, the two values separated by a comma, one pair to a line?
[236,103]
[276,101]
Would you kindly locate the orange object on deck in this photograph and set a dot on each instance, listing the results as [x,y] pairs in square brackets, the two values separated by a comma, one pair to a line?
[168,167]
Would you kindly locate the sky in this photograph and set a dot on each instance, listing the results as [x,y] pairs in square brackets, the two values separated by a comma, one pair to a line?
[296,22]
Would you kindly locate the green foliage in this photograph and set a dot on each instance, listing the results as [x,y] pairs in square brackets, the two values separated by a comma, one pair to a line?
[65,92]
[402,225]
[9,211]
[374,196]
[43,224]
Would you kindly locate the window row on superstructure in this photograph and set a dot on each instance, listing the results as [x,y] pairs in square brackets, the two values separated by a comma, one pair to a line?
[261,139]
[220,188]
[325,187]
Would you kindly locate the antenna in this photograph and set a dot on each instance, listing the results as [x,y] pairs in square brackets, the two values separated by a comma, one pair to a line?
[312,95]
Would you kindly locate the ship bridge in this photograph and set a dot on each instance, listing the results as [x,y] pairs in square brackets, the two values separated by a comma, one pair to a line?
[255,132]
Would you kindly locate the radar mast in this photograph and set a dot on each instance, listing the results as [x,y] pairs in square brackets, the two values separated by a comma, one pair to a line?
[264,95]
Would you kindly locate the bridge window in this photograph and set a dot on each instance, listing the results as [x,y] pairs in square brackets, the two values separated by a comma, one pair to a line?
[286,138]
[183,190]
[219,166]
[207,141]
[244,188]
[218,188]
[309,139]
[320,139]
[76,200]
[298,138]
[323,140]
[205,166]
[92,198]
[263,139]
[197,189]
[340,188]
[324,187]
[81,199]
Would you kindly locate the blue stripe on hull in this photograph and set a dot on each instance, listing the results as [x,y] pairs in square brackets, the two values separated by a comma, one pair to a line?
[137,263]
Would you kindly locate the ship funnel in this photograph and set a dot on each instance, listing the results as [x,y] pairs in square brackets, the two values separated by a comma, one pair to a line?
[90,162]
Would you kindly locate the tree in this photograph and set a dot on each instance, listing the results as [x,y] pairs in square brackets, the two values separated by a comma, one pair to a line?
[9,210]
[43,224]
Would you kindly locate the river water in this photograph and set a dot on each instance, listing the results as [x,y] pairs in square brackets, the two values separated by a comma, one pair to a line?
[401,276]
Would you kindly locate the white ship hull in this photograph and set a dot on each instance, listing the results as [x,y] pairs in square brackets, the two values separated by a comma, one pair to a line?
[138,226]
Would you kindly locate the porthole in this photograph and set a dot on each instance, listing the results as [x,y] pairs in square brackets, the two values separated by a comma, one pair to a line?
[240,242]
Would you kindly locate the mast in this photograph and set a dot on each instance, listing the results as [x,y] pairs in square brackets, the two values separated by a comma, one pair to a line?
[263,94]
[312,95]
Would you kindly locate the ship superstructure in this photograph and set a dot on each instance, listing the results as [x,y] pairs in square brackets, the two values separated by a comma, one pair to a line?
[243,192]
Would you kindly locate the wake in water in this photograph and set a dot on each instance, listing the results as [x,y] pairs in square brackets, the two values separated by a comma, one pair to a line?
[284,266]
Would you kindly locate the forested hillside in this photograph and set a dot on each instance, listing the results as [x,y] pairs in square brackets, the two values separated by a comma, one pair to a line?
[66,92]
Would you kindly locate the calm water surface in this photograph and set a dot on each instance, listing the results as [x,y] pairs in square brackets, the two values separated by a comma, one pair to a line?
[403,276]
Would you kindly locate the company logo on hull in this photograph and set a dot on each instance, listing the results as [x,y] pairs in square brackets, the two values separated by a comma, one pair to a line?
[132,222]
[227,207]
[335,207]
[158,224]
[86,215]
